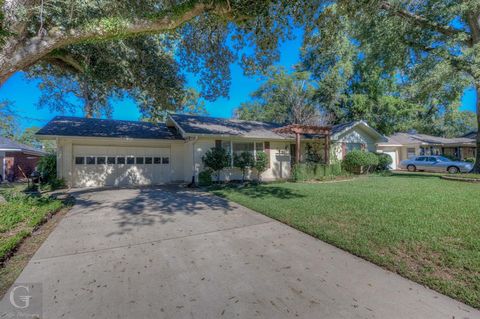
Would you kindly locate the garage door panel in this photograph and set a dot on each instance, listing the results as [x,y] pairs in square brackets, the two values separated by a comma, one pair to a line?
[123,172]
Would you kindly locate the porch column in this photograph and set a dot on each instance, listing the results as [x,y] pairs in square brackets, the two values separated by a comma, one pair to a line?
[327,149]
[297,148]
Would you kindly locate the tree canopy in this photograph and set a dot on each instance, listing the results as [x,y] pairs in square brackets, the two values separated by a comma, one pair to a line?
[286,98]
[431,48]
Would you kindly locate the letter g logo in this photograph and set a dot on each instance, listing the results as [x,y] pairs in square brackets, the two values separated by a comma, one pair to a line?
[25,299]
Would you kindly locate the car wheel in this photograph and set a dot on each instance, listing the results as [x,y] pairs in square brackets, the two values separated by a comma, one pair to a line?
[411,168]
[453,170]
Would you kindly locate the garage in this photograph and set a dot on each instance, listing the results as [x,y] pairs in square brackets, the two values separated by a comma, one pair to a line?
[95,166]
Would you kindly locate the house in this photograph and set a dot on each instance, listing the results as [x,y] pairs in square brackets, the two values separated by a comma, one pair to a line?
[101,152]
[401,146]
[18,160]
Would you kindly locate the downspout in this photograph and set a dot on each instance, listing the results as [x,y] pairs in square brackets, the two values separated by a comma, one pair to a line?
[192,183]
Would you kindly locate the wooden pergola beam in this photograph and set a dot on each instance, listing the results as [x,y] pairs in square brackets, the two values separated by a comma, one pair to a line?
[298,129]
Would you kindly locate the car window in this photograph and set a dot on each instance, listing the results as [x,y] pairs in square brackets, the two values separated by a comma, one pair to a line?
[443,159]
[432,159]
[420,159]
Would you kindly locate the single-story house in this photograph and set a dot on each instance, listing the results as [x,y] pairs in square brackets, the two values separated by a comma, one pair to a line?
[18,160]
[102,152]
[401,146]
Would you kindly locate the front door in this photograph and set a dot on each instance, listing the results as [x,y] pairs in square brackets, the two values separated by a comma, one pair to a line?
[10,169]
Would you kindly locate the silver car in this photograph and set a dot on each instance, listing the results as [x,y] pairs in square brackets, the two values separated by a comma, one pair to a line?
[435,164]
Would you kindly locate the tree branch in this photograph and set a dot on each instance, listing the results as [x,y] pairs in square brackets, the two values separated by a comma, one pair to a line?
[65,60]
[37,47]
[426,23]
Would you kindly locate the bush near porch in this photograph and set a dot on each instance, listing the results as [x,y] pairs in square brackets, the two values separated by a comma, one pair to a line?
[419,226]
[315,171]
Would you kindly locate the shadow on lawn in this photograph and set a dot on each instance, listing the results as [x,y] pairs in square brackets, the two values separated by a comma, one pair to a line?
[265,191]
[416,175]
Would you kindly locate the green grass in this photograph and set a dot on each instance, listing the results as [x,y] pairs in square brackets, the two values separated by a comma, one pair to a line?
[20,215]
[423,227]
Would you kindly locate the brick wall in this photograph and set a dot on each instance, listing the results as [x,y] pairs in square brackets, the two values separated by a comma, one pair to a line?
[26,162]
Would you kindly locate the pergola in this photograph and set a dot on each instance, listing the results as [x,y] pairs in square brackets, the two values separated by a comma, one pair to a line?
[298,130]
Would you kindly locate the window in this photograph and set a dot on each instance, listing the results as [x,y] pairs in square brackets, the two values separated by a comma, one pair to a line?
[120,160]
[165,160]
[352,147]
[101,160]
[259,147]
[110,160]
[410,152]
[443,159]
[130,160]
[79,160]
[157,160]
[432,160]
[421,159]
[148,160]
[90,160]
[139,160]
[239,148]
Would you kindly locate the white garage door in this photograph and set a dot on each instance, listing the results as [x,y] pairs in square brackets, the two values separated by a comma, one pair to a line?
[120,166]
[393,155]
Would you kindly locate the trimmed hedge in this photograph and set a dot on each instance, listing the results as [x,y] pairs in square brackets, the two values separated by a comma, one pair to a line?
[311,171]
[359,162]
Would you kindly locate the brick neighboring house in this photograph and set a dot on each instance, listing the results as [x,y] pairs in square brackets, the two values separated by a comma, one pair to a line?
[17,160]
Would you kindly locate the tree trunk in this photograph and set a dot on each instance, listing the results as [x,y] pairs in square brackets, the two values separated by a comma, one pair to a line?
[476,168]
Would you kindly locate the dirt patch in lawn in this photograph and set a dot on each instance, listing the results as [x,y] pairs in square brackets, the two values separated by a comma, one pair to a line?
[11,268]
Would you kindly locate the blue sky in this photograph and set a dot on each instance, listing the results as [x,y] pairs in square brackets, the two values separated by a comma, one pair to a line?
[25,94]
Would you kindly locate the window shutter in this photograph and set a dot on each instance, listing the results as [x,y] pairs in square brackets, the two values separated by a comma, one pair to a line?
[218,143]
[344,150]
[267,152]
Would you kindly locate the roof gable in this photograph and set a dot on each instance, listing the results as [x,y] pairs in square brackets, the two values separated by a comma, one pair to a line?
[339,129]
[89,127]
[7,144]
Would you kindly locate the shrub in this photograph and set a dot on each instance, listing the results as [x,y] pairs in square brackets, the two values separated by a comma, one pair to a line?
[261,163]
[47,167]
[360,161]
[244,161]
[205,177]
[53,184]
[470,160]
[216,159]
[384,162]
[310,171]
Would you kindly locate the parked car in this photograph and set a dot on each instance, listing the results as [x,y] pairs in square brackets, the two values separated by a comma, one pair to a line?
[435,164]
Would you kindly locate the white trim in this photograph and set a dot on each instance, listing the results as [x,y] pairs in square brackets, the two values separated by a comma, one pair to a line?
[371,129]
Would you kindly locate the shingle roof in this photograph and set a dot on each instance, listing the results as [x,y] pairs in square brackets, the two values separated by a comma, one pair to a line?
[9,145]
[407,138]
[341,127]
[472,135]
[193,124]
[89,127]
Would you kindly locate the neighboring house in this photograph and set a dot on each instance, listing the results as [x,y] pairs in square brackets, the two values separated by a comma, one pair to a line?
[18,160]
[402,146]
[99,152]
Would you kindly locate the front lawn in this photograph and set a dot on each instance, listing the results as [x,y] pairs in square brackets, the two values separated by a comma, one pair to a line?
[423,227]
[20,215]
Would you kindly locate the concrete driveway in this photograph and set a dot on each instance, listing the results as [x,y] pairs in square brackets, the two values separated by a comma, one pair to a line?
[174,253]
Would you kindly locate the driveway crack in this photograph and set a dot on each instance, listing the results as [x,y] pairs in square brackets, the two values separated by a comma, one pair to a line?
[149,242]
